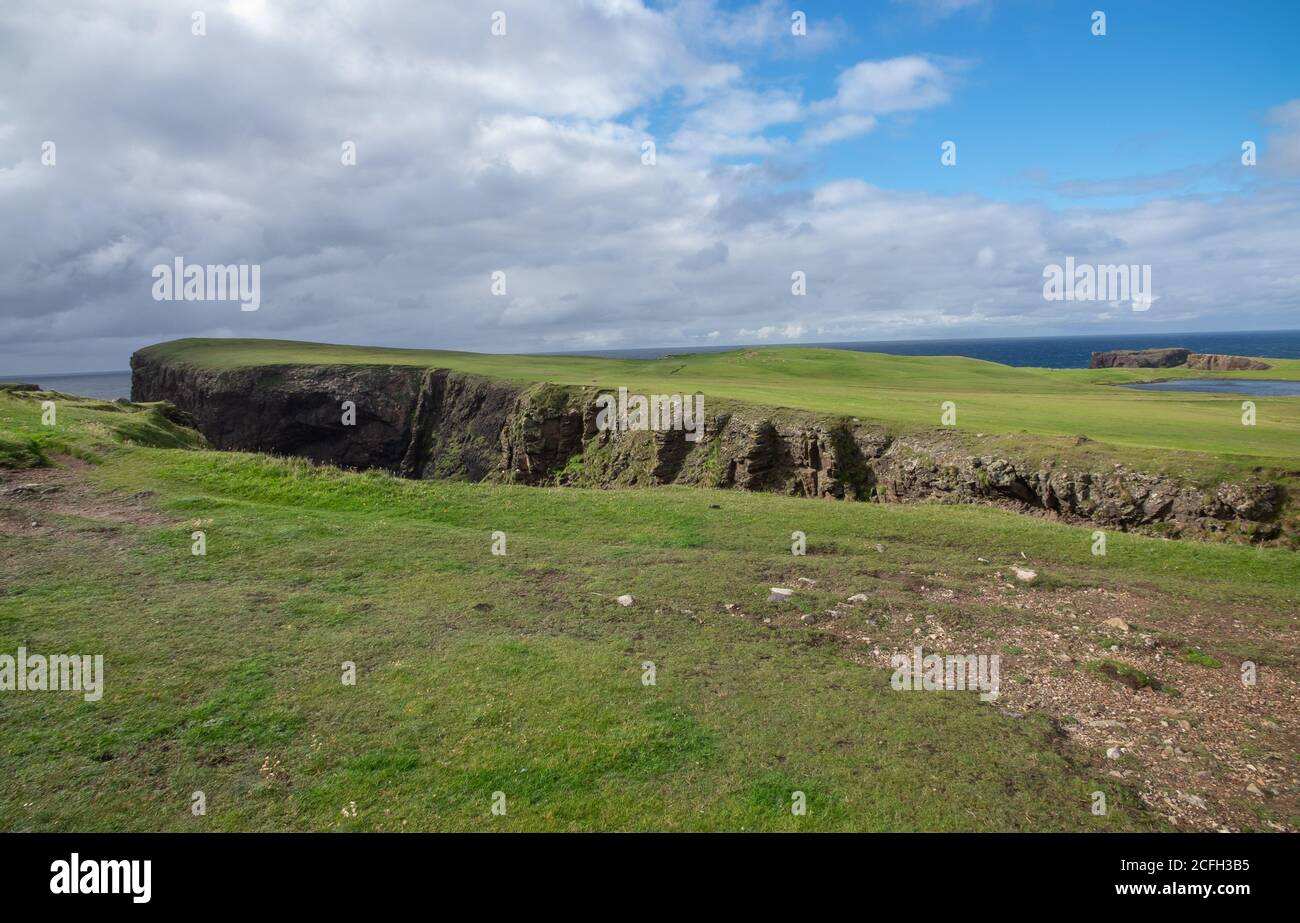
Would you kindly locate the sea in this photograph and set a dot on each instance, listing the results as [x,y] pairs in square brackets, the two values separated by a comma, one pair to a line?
[1072,352]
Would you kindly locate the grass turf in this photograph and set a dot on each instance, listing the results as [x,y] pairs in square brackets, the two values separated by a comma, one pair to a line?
[1033,413]
[518,674]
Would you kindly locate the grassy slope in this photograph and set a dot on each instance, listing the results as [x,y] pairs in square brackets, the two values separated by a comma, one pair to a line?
[1197,434]
[518,673]
[82,425]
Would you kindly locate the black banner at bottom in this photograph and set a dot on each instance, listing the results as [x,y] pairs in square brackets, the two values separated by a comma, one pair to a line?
[140,872]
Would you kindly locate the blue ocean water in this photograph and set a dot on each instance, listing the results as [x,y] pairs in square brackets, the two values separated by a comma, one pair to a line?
[1072,352]
[1043,352]
[106,386]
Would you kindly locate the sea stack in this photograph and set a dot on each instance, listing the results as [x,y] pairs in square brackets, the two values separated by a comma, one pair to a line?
[1140,358]
[1213,362]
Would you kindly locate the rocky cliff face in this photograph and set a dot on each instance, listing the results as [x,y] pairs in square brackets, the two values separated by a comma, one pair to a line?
[1117,498]
[1213,362]
[433,423]
[413,422]
[1139,358]
[1174,356]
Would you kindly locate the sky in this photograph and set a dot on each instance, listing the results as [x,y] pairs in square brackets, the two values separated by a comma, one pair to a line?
[503,196]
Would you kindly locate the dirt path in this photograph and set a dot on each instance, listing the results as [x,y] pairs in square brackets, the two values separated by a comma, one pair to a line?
[1206,750]
[31,500]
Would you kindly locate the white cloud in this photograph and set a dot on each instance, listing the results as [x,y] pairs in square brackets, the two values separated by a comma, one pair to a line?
[939,9]
[1283,152]
[765,25]
[768,331]
[870,89]
[732,121]
[909,82]
[524,156]
[839,128]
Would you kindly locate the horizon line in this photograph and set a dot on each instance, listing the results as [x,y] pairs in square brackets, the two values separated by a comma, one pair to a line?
[836,344]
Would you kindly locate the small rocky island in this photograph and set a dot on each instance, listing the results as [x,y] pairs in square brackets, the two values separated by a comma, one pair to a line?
[1173,357]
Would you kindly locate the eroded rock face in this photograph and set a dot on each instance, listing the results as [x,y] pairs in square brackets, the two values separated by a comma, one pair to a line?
[1139,358]
[292,410]
[433,423]
[410,421]
[546,427]
[1118,498]
[457,426]
[1215,362]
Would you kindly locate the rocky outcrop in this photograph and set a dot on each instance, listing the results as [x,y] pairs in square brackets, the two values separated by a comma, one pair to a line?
[1171,357]
[1139,358]
[457,425]
[410,421]
[944,470]
[547,427]
[1214,362]
[434,423]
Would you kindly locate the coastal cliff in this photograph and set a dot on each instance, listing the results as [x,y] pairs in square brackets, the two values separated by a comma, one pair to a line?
[1173,357]
[1213,362]
[436,423]
[1140,358]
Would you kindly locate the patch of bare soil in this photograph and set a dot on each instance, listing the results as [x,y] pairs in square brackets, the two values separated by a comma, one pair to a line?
[32,499]
[1204,748]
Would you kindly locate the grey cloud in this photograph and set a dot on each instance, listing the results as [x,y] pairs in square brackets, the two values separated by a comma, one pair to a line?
[704,259]
[522,156]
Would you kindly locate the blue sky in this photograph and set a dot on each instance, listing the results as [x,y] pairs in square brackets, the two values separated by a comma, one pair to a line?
[1040,101]
[522,154]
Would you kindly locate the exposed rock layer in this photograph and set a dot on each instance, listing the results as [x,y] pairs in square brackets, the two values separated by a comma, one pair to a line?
[1213,362]
[432,423]
[1172,357]
[1140,358]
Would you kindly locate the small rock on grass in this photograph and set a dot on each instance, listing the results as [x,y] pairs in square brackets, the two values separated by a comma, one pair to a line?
[1024,574]
[1114,753]
[859,598]
[778,594]
[625,600]
[807,618]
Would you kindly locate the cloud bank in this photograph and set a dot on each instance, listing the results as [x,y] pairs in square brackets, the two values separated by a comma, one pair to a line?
[525,153]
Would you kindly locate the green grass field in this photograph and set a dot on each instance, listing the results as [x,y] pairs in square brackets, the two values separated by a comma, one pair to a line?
[519,673]
[1037,413]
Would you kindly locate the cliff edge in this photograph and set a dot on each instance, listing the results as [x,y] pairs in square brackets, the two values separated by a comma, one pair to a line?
[436,423]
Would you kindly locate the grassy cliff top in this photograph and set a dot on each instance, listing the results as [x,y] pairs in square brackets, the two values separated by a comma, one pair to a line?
[521,673]
[1041,410]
